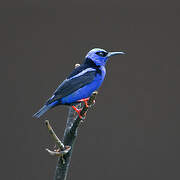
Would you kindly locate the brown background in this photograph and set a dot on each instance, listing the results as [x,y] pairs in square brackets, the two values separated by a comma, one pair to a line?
[132,133]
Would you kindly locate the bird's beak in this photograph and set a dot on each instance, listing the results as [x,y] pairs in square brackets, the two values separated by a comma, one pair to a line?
[114,53]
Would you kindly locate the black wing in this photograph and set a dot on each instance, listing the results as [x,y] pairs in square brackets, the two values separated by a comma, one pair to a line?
[69,86]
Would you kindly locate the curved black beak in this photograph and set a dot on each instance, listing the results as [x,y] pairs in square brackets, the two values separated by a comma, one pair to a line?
[114,53]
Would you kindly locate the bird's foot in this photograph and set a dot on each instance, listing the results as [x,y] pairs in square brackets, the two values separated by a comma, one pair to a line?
[78,111]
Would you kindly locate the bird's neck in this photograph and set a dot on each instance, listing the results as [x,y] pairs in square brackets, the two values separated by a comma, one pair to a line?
[99,69]
[89,62]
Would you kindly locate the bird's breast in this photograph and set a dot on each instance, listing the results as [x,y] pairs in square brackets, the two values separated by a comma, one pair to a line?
[101,73]
[99,78]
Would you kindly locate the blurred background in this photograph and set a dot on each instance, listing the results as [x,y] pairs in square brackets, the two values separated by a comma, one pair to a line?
[133,130]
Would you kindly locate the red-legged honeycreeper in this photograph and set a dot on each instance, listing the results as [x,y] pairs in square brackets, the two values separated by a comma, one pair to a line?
[81,83]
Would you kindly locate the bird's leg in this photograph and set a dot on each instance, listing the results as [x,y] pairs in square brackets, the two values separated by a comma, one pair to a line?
[85,101]
[86,104]
[78,111]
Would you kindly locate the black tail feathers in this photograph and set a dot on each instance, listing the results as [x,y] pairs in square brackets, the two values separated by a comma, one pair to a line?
[42,111]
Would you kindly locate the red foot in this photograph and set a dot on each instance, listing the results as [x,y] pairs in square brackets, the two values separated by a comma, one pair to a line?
[78,111]
[85,101]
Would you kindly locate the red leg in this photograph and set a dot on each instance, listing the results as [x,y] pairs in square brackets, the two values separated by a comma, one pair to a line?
[78,111]
[85,101]
[86,104]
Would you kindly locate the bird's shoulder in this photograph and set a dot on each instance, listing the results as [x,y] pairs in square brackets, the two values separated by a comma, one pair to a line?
[80,71]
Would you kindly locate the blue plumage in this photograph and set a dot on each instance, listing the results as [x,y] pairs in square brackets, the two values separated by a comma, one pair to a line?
[83,80]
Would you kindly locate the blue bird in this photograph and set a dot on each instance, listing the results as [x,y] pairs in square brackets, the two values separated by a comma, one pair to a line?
[81,83]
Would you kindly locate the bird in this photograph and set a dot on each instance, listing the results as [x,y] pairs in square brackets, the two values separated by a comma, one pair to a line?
[81,82]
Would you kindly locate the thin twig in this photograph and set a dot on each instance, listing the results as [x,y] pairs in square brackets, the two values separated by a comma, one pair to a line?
[59,153]
[56,139]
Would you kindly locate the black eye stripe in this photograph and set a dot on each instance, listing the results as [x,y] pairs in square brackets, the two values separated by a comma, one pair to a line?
[101,53]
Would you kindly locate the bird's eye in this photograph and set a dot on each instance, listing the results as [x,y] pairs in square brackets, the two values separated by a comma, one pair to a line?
[101,53]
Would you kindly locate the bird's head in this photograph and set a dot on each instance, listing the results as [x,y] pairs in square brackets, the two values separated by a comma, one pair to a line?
[100,56]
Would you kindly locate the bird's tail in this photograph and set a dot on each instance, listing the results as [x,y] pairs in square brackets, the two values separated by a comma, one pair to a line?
[45,108]
[42,111]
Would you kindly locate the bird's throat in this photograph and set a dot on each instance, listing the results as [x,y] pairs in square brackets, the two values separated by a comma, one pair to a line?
[90,63]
